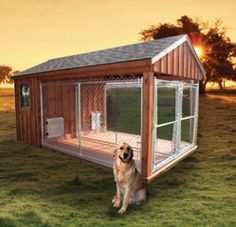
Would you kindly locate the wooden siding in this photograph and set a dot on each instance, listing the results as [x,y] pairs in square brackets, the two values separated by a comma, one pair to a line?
[28,118]
[59,101]
[92,99]
[179,64]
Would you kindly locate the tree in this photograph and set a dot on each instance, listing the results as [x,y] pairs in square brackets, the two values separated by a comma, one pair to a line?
[6,73]
[218,51]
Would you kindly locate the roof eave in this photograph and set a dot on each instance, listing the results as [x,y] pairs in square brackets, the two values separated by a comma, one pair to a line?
[145,64]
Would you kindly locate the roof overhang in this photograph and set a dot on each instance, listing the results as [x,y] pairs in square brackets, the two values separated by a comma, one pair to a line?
[122,68]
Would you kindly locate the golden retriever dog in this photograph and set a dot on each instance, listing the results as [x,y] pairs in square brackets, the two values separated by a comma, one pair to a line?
[129,187]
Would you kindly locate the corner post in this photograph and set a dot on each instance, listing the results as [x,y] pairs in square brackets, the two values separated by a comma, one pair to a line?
[147,123]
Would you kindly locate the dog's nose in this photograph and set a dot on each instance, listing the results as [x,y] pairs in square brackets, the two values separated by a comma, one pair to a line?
[126,155]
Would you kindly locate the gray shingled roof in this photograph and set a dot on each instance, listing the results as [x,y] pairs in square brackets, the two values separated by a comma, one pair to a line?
[138,51]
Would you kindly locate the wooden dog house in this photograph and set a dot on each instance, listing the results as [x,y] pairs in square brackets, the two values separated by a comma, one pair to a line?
[85,105]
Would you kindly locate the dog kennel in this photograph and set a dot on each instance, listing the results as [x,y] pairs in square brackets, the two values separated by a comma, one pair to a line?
[86,105]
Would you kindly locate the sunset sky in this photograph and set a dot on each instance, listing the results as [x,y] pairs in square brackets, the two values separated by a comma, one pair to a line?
[33,31]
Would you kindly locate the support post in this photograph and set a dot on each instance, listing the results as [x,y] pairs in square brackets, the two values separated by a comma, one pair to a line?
[147,123]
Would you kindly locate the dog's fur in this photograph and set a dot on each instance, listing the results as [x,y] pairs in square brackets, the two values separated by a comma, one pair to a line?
[129,187]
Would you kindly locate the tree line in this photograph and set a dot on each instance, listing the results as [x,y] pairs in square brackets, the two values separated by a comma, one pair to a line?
[6,72]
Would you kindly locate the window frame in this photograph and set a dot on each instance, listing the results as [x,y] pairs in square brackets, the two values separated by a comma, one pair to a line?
[23,107]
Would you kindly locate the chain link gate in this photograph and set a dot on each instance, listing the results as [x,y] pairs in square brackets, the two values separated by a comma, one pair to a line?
[90,118]
[175,120]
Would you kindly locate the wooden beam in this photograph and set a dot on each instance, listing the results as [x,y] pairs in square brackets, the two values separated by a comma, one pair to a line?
[169,165]
[17,103]
[147,123]
[164,76]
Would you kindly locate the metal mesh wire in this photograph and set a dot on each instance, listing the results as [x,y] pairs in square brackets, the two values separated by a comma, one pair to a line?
[188,115]
[90,118]
[175,117]
[165,141]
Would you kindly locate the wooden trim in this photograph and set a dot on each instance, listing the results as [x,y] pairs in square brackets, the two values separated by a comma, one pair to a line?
[17,110]
[147,123]
[37,113]
[25,108]
[169,165]
[164,76]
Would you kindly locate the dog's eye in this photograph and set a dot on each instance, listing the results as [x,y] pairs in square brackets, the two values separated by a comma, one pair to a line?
[121,148]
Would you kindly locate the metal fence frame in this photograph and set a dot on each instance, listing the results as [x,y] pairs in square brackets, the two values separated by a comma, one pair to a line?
[179,86]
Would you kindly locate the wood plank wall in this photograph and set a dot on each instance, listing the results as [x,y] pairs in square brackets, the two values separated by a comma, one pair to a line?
[179,62]
[59,101]
[92,99]
[28,118]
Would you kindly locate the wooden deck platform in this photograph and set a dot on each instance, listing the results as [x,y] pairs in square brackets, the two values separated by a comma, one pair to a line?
[99,146]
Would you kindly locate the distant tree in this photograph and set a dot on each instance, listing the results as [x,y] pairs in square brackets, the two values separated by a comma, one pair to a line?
[218,51]
[6,73]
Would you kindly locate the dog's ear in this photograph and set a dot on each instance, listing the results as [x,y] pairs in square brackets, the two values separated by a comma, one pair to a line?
[114,152]
[130,149]
[132,152]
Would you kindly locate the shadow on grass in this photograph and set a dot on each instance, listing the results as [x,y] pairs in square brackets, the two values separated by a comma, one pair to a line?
[7,222]
[31,218]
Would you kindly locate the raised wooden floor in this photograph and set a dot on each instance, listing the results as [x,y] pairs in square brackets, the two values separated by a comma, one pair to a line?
[98,147]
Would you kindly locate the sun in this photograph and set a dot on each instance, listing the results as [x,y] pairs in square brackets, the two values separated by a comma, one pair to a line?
[199,51]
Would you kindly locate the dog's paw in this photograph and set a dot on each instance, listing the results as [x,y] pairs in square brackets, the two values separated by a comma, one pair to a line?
[116,204]
[114,199]
[121,210]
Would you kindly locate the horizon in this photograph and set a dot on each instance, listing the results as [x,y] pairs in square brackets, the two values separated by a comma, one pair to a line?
[39,31]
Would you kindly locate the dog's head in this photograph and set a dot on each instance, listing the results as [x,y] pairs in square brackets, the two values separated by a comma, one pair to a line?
[124,153]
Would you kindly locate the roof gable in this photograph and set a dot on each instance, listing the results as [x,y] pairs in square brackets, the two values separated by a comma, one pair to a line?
[181,51]
[179,60]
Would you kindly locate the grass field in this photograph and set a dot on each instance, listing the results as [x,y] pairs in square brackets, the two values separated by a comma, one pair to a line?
[38,187]
[123,110]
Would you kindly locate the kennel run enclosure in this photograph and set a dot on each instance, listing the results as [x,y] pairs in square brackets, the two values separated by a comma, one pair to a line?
[85,105]
[90,119]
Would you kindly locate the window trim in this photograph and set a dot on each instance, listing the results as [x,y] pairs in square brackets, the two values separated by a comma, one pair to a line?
[22,107]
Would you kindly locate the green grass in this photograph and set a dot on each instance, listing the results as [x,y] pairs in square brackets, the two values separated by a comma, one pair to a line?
[37,186]
[123,110]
